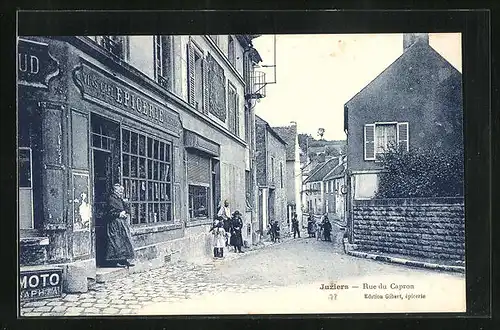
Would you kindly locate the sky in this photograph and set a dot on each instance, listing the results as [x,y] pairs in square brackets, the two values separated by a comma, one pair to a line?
[317,74]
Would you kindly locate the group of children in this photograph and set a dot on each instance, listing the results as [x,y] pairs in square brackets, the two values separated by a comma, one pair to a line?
[227,230]
[320,230]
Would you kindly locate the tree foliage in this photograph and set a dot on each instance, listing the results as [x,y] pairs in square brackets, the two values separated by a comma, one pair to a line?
[429,172]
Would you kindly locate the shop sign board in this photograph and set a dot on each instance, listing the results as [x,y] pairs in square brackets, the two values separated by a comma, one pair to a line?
[40,284]
[35,65]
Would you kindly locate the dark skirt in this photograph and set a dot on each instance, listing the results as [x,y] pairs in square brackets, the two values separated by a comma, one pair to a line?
[119,245]
[236,239]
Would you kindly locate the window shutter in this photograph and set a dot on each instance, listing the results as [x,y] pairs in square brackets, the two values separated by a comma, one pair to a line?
[191,91]
[167,60]
[206,89]
[370,142]
[237,113]
[198,168]
[403,136]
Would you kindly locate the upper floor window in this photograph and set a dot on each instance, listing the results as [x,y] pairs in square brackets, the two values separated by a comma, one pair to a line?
[231,51]
[116,45]
[195,73]
[233,109]
[163,61]
[381,137]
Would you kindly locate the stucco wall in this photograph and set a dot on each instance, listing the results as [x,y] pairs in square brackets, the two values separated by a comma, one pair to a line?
[411,90]
[431,228]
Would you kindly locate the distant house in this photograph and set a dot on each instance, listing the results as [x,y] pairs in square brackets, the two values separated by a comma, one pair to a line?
[415,102]
[335,192]
[315,186]
[293,170]
[270,157]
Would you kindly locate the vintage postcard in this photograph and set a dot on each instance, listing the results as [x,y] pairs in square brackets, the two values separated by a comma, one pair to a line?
[240,174]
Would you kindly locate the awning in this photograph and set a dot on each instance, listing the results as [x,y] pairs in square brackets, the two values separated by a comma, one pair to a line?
[200,143]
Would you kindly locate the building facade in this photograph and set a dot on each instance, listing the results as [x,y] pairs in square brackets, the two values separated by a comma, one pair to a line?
[316,186]
[165,116]
[335,193]
[414,103]
[271,176]
[293,170]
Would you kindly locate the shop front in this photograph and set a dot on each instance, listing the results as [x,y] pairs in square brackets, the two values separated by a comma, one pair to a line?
[91,126]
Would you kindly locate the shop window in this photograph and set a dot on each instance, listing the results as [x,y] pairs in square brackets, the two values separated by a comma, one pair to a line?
[198,202]
[146,169]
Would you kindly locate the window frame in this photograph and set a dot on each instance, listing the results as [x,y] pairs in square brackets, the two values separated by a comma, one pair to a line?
[207,189]
[233,102]
[124,45]
[167,73]
[397,137]
[156,163]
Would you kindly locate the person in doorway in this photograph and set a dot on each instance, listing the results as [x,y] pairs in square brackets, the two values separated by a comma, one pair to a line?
[219,235]
[119,240]
[295,225]
[225,214]
[236,228]
[327,229]
[276,231]
[310,227]
[270,231]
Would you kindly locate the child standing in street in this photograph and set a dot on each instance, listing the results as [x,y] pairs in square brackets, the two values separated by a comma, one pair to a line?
[219,236]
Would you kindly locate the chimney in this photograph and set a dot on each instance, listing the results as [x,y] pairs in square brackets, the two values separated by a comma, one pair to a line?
[410,38]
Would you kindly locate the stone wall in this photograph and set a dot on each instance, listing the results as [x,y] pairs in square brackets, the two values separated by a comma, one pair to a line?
[424,227]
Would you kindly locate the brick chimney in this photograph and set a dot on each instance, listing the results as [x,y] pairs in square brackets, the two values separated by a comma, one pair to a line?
[411,38]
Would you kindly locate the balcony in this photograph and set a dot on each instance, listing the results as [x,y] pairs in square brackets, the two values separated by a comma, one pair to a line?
[258,83]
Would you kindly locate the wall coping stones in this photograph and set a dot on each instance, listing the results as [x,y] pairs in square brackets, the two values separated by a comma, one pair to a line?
[410,201]
[350,250]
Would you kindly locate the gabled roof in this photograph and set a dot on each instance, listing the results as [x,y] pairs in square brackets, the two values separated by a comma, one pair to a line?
[336,173]
[270,129]
[320,171]
[417,45]
[289,134]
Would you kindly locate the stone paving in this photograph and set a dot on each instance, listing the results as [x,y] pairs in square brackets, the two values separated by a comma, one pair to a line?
[285,276]
[126,296]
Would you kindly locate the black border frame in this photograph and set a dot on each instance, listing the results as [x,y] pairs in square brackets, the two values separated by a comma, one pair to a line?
[475,26]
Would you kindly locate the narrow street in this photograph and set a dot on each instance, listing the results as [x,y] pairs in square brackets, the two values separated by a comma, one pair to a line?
[280,278]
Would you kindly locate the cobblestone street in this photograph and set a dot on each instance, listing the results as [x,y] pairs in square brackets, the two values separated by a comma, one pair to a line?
[277,278]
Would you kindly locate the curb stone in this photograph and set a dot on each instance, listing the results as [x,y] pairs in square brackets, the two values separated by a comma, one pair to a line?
[401,261]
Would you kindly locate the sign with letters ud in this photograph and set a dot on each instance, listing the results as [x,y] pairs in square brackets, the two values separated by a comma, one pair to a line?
[40,284]
[35,65]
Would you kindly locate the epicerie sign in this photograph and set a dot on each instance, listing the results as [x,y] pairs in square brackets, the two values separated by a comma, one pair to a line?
[40,284]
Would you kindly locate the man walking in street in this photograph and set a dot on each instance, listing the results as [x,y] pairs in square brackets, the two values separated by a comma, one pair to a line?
[295,226]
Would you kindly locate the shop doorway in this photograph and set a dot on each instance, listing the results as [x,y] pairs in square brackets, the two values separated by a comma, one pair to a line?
[106,170]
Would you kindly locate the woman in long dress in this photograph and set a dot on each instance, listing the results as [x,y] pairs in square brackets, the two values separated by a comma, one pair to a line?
[119,248]
[236,228]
